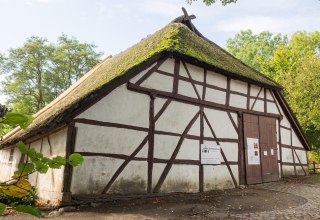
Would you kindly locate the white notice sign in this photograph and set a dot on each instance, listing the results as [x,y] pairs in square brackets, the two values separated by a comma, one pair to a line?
[210,153]
[253,151]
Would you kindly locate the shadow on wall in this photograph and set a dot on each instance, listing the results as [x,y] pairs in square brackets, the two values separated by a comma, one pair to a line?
[133,185]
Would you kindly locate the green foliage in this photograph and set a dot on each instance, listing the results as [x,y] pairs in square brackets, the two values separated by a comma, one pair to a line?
[4,128]
[41,164]
[17,192]
[13,201]
[210,2]
[14,118]
[2,208]
[38,71]
[75,159]
[29,210]
[256,50]
[9,120]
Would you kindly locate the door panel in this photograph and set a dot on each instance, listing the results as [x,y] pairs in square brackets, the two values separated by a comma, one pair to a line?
[251,130]
[268,145]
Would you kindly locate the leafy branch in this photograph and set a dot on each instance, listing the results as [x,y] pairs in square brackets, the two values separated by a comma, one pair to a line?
[210,2]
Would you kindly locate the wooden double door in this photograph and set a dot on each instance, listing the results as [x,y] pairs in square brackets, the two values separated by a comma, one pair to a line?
[261,154]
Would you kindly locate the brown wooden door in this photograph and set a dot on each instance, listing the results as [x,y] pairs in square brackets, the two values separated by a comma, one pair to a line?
[268,146]
[251,130]
[261,157]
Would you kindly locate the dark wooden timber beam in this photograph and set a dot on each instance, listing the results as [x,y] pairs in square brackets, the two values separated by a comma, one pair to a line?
[191,80]
[222,153]
[148,74]
[155,160]
[295,170]
[67,177]
[189,100]
[124,164]
[151,144]
[255,100]
[300,162]
[241,154]
[280,147]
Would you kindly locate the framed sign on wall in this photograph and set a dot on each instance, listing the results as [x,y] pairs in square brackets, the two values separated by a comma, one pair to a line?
[210,153]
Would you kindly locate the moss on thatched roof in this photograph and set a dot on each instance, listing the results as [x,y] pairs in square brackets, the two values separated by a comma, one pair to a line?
[175,37]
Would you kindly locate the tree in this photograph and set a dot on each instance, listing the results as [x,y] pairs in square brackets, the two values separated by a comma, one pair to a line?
[27,67]
[302,46]
[39,71]
[303,94]
[298,65]
[70,60]
[210,2]
[256,50]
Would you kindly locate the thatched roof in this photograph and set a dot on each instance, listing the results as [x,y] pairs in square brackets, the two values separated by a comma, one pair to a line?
[175,38]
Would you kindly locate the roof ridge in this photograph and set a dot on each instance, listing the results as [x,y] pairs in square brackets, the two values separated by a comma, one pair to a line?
[186,20]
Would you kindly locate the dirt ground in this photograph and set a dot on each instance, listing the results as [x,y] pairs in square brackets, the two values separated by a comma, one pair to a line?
[209,205]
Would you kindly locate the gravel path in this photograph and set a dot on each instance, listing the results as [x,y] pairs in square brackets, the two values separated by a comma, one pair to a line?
[309,210]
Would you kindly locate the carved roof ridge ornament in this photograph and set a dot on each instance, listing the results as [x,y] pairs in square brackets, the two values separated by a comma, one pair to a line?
[187,19]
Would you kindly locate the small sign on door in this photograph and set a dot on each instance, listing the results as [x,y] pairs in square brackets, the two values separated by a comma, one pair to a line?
[253,151]
[210,153]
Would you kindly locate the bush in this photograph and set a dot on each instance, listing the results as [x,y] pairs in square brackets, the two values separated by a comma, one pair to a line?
[29,199]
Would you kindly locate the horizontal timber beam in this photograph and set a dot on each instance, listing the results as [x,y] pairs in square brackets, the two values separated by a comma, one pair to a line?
[186,79]
[157,132]
[293,164]
[156,160]
[293,147]
[189,100]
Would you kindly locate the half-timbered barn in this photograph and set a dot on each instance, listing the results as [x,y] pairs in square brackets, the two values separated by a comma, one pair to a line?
[173,113]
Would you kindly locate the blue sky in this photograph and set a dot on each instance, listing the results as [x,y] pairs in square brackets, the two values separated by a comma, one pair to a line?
[114,25]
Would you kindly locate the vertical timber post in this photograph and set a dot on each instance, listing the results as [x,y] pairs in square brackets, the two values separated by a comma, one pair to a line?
[201,177]
[151,143]
[280,147]
[201,174]
[68,169]
[241,155]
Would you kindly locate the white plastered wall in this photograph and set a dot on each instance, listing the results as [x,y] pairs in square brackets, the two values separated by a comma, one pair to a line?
[50,184]
[290,139]
[121,106]
[7,167]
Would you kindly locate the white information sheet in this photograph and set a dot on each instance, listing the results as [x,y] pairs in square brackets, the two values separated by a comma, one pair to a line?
[210,153]
[253,151]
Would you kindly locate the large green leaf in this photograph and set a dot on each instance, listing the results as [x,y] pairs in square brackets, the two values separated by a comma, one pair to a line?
[75,159]
[2,208]
[14,118]
[26,167]
[22,147]
[29,210]
[41,167]
[57,162]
